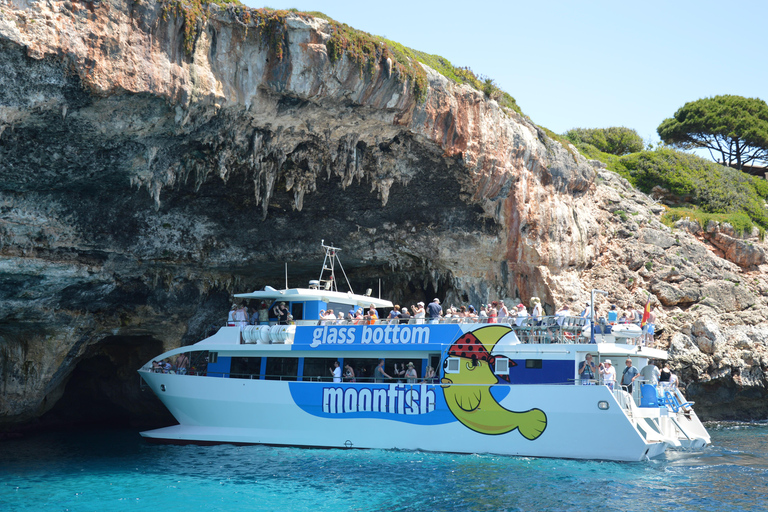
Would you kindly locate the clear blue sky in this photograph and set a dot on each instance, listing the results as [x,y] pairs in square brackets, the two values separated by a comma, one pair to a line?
[582,63]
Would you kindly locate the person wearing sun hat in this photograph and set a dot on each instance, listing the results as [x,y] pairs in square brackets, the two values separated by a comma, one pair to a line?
[410,374]
[608,372]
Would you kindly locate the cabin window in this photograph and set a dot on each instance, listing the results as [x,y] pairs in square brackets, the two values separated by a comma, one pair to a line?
[318,368]
[282,368]
[364,368]
[533,364]
[502,366]
[297,310]
[245,368]
[213,357]
[452,365]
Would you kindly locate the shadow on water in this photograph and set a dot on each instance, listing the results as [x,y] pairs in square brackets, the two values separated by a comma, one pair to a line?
[117,470]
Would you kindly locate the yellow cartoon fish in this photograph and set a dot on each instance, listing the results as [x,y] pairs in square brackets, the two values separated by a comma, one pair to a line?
[468,392]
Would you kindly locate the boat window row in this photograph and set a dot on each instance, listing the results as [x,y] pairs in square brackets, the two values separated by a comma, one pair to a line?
[320,369]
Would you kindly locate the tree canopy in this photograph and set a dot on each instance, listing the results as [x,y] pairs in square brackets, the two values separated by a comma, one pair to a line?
[733,126]
[616,140]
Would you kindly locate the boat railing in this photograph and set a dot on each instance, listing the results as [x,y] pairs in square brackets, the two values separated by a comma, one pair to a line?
[544,330]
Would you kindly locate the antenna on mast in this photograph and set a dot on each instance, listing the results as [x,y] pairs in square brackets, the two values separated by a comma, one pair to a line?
[329,265]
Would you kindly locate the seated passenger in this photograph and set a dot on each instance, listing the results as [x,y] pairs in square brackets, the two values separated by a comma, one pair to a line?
[405,316]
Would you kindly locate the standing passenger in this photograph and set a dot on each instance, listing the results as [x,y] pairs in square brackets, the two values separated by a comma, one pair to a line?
[410,374]
[379,373]
[182,361]
[608,373]
[435,310]
[418,312]
[587,371]
[336,372]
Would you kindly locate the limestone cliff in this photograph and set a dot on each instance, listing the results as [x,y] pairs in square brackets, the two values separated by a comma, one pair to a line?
[152,165]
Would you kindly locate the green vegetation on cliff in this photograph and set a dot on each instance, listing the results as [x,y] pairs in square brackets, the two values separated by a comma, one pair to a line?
[369,52]
[616,140]
[705,190]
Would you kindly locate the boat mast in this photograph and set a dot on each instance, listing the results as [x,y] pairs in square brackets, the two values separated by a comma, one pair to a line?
[329,265]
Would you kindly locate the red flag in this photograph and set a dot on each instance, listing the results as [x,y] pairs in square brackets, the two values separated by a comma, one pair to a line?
[646,312]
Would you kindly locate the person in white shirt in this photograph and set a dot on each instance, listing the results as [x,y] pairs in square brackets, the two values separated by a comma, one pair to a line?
[522,314]
[336,372]
[608,372]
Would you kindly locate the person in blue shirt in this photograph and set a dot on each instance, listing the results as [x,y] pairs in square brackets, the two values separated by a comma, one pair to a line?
[434,310]
[613,315]
[587,371]
[629,376]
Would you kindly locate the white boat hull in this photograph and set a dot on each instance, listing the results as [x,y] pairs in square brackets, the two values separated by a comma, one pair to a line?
[213,410]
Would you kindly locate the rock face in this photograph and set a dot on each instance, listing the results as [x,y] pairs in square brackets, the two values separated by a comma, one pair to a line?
[144,181]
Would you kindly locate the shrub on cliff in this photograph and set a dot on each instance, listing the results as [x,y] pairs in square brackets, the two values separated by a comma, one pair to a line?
[706,185]
[616,140]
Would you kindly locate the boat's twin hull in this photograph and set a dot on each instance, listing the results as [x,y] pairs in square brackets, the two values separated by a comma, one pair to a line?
[581,422]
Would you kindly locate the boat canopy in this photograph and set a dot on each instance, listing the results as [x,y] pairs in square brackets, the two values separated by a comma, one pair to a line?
[308,294]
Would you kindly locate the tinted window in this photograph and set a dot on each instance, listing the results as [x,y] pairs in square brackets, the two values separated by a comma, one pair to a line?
[282,368]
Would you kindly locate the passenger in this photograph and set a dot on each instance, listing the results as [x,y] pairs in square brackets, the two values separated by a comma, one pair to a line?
[182,361]
[330,317]
[359,315]
[562,313]
[241,316]
[379,374]
[483,313]
[608,372]
[673,382]
[398,372]
[405,317]
[351,315]
[502,312]
[263,314]
[429,377]
[586,313]
[665,375]
[349,373]
[629,375]
[231,316]
[373,315]
[336,372]
[536,312]
[587,371]
[410,374]
[418,312]
[471,313]
[435,311]
[627,318]
[340,319]
[493,313]
[156,367]
[166,366]
[253,316]
[651,328]
[522,315]
[650,373]
[613,315]
[281,312]
[394,315]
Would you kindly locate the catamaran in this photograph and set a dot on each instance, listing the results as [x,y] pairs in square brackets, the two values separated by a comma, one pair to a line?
[510,387]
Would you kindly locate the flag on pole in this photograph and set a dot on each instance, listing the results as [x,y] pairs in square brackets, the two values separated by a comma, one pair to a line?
[646,312]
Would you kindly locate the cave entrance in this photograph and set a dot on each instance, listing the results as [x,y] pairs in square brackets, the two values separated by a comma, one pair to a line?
[104,388]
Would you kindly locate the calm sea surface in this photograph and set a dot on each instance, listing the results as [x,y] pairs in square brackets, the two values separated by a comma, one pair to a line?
[117,470]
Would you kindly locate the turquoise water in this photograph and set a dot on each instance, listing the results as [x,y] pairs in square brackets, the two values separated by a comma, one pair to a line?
[117,470]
